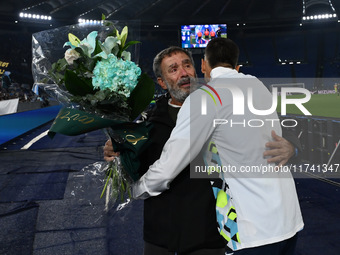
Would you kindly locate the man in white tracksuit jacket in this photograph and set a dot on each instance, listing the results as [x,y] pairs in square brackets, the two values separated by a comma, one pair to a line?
[228,121]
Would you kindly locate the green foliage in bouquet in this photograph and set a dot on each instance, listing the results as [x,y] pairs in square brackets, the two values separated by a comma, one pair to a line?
[101,77]
[110,92]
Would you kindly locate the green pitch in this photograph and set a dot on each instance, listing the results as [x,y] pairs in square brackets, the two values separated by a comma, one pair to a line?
[319,105]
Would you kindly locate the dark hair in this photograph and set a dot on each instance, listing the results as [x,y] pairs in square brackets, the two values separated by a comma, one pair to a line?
[222,52]
[167,53]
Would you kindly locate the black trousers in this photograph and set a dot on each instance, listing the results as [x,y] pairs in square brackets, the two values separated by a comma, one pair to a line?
[150,249]
[286,247]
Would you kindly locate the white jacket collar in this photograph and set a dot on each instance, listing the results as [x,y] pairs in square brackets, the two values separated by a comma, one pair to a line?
[217,71]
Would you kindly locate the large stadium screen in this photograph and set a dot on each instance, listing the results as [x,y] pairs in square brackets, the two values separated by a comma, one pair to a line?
[198,36]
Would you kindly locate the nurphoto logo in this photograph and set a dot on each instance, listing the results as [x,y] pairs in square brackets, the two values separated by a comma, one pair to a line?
[239,104]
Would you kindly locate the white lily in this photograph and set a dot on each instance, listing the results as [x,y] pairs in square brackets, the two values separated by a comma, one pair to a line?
[126,55]
[110,45]
[87,45]
[123,35]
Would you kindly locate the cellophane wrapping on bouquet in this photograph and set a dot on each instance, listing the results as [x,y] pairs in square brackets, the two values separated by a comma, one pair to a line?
[92,70]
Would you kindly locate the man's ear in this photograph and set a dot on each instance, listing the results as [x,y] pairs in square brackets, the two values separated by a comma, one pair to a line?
[161,83]
[237,68]
[203,67]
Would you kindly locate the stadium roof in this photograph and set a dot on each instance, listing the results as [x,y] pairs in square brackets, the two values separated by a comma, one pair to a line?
[164,12]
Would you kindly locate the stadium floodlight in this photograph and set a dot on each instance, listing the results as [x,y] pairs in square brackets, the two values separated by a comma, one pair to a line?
[316,11]
[33,16]
[89,21]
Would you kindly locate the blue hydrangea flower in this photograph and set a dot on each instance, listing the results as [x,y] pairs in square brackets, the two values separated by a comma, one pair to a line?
[116,75]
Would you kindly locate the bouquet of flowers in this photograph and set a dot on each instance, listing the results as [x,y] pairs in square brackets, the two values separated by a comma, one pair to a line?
[100,87]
